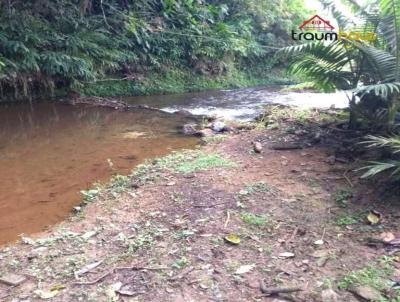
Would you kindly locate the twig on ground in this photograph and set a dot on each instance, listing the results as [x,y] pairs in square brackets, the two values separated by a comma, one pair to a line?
[139,268]
[94,281]
[228,214]
[210,205]
[347,179]
[182,274]
[277,290]
[292,236]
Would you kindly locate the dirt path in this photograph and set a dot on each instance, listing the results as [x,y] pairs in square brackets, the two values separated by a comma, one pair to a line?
[159,236]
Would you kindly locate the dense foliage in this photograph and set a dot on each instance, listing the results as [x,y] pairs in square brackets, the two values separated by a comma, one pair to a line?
[46,45]
[370,71]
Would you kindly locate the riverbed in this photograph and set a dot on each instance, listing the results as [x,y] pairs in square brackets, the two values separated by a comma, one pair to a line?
[49,152]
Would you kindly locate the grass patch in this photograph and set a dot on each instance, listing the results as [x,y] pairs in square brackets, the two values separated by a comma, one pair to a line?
[181,263]
[254,219]
[215,139]
[375,275]
[275,115]
[343,196]
[258,187]
[193,161]
[347,219]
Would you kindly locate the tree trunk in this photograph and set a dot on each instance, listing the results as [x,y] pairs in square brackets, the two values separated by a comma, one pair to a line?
[393,105]
[353,113]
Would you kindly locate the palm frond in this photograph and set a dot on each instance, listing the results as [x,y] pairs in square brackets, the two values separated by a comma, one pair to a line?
[378,167]
[391,29]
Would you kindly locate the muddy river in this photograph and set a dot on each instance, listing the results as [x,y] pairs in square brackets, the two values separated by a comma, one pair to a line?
[50,152]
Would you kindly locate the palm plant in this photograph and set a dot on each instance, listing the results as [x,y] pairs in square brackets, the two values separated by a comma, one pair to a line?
[366,70]
[378,167]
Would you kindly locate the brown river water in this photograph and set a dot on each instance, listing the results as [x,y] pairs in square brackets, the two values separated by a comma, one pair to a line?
[50,152]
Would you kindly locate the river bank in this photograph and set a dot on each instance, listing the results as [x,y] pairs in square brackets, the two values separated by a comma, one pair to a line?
[211,224]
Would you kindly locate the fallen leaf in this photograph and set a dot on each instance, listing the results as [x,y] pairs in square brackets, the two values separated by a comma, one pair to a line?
[89,234]
[44,294]
[387,236]
[87,268]
[286,255]
[232,239]
[319,242]
[244,269]
[374,217]
[57,287]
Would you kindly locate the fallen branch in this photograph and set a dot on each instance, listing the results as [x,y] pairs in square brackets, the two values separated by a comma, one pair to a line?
[347,179]
[181,275]
[286,146]
[94,281]
[277,290]
[139,268]
[210,206]
[135,268]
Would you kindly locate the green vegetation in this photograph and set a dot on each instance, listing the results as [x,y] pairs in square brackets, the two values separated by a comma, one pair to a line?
[343,196]
[214,139]
[193,161]
[274,115]
[391,166]
[375,275]
[346,219]
[369,70]
[254,220]
[259,187]
[184,80]
[113,47]
[181,263]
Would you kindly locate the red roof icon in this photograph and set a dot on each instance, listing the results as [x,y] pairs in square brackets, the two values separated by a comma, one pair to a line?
[316,23]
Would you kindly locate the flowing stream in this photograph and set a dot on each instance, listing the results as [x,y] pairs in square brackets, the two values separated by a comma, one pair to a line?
[50,152]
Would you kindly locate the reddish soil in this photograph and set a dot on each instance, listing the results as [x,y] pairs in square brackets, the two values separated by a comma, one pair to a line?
[164,241]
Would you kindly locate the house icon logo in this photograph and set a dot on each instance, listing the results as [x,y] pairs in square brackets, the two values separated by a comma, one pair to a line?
[319,29]
[316,23]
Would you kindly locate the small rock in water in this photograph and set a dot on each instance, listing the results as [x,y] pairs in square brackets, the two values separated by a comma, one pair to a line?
[257,147]
[183,112]
[12,279]
[205,133]
[367,293]
[189,129]
[218,126]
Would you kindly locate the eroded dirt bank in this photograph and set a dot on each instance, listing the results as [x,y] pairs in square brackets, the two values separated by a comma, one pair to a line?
[160,235]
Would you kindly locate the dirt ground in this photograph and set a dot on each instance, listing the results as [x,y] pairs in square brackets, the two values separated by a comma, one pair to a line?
[161,235]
